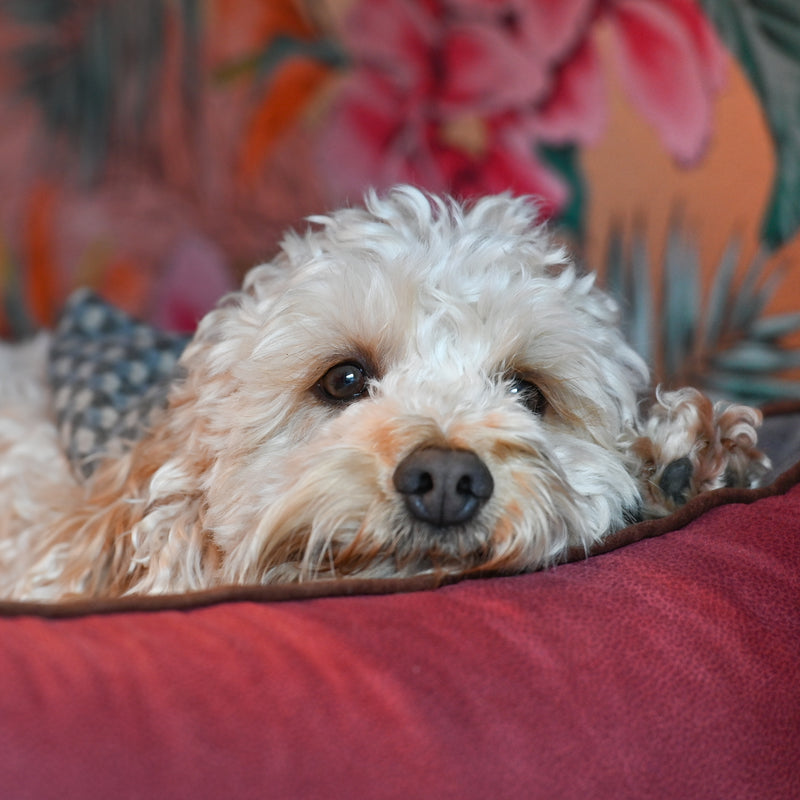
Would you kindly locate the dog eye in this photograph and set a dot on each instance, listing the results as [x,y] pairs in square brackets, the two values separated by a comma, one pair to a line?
[529,394]
[343,383]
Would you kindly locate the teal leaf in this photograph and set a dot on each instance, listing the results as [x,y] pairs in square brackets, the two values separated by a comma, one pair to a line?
[109,59]
[38,11]
[265,61]
[192,16]
[640,329]
[722,343]
[765,36]
[749,300]
[745,388]
[627,280]
[96,85]
[564,160]
[681,297]
[776,326]
[750,356]
[615,274]
[719,299]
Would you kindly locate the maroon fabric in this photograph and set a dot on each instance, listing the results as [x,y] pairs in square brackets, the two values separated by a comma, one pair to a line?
[665,669]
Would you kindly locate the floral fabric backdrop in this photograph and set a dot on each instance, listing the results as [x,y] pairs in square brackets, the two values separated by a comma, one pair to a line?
[155,150]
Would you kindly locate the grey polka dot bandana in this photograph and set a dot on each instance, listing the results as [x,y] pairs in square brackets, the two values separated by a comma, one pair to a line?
[109,375]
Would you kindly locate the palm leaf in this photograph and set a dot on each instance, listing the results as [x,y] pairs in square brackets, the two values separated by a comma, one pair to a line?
[748,390]
[749,300]
[764,35]
[719,299]
[627,279]
[277,51]
[94,70]
[680,293]
[38,11]
[723,343]
[775,327]
[755,357]
[640,328]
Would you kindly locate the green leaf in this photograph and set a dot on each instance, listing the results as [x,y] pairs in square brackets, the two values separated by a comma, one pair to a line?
[749,301]
[38,11]
[564,160]
[765,36]
[776,326]
[681,298]
[615,273]
[264,62]
[109,59]
[719,299]
[640,328]
[724,344]
[95,77]
[192,16]
[746,388]
[750,356]
[627,280]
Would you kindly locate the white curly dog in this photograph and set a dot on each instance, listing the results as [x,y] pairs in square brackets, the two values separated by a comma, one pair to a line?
[413,386]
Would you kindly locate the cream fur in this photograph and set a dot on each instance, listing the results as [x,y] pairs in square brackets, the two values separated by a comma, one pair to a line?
[252,476]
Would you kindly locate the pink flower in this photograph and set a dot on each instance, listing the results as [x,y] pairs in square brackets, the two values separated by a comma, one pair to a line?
[670,61]
[500,54]
[672,64]
[459,95]
[439,102]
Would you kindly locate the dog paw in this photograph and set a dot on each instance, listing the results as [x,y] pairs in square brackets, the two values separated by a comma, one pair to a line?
[689,445]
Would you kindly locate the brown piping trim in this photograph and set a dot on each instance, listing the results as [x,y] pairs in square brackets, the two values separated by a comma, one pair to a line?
[225,594]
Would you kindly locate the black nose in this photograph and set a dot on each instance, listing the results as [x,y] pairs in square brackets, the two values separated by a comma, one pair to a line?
[676,479]
[443,487]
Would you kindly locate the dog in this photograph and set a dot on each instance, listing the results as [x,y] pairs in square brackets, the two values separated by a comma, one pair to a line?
[411,386]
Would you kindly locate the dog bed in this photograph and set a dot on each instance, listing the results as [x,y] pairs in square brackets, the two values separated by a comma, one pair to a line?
[665,667]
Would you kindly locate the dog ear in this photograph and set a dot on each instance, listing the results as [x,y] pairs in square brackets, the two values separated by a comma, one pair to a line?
[146,513]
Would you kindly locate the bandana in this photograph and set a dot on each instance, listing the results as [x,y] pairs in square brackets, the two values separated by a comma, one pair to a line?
[109,375]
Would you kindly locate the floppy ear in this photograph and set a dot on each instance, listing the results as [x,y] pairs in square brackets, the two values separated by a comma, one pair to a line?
[151,509]
[140,526]
[146,511]
[136,525]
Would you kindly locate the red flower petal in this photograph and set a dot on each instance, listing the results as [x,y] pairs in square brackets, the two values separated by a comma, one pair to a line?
[711,52]
[665,73]
[393,37]
[376,137]
[577,108]
[546,28]
[484,70]
[555,26]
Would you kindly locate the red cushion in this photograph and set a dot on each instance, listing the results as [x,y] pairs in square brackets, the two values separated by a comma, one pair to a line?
[666,669]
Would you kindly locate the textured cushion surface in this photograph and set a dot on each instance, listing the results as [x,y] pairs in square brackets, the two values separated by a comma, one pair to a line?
[665,669]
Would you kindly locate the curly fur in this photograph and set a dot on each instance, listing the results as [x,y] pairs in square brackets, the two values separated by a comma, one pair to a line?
[253,475]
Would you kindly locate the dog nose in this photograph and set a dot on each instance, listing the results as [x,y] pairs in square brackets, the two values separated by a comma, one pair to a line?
[676,479]
[443,486]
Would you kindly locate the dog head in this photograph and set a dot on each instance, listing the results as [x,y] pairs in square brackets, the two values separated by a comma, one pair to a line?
[413,385]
